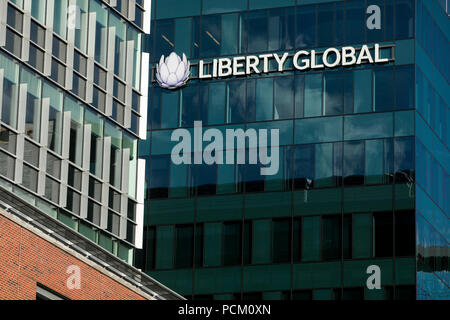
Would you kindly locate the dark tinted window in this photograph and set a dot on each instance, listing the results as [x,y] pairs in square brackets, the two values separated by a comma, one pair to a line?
[281,235]
[232,243]
[405,234]
[184,249]
[383,231]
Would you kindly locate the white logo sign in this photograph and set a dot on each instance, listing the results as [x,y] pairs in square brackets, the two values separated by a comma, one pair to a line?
[172,73]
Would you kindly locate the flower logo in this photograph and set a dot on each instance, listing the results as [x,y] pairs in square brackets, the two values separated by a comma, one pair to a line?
[172,72]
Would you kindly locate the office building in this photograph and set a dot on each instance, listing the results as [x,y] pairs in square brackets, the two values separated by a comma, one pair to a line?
[364,161]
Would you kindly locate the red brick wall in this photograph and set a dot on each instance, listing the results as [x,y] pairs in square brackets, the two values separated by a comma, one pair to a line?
[27,259]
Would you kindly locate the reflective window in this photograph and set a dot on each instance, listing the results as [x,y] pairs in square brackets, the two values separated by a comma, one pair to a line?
[8,140]
[313,95]
[130,143]
[33,104]
[135,36]
[10,90]
[30,178]
[95,122]
[230,38]
[60,18]
[82,31]
[15,18]
[31,153]
[355,26]
[354,163]
[55,97]
[383,89]
[235,109]
[283,98]
[306,31]
[303,167]
[164,38]
[264,99]
[120,49]
[257,31]
[38,10]
[281,27]
[76,129]
[332,95]
[211,36]
[101,31]
[159,183]
[115,169]
[404,160]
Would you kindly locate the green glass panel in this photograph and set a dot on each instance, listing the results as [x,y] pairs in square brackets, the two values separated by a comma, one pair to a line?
[404,52]
[404,123]
[368,126]
[178,180]
[230,37]
[211,280]
[216,101]
[213,244]
[220,6]
[180,280]
[183,36]
[67,220]
[311,239]
[309,202]
[126,253]
[284,127]
[172,211]
[105,242]
[405,271]
[164,247]
[324,165]
[374,162]
[262,4]
[261,241]
[362,230]
[317,275]
[223,208]
[226,178]
[313,95]
[362,91]
[318,130]
[176,8]
[264,99]
[88,232]
[366,199]
[269,277]
[266,205]
[169,109]
[404,196]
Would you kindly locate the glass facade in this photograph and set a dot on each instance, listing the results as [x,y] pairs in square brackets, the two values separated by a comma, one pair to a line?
[70,116]
[352,142]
